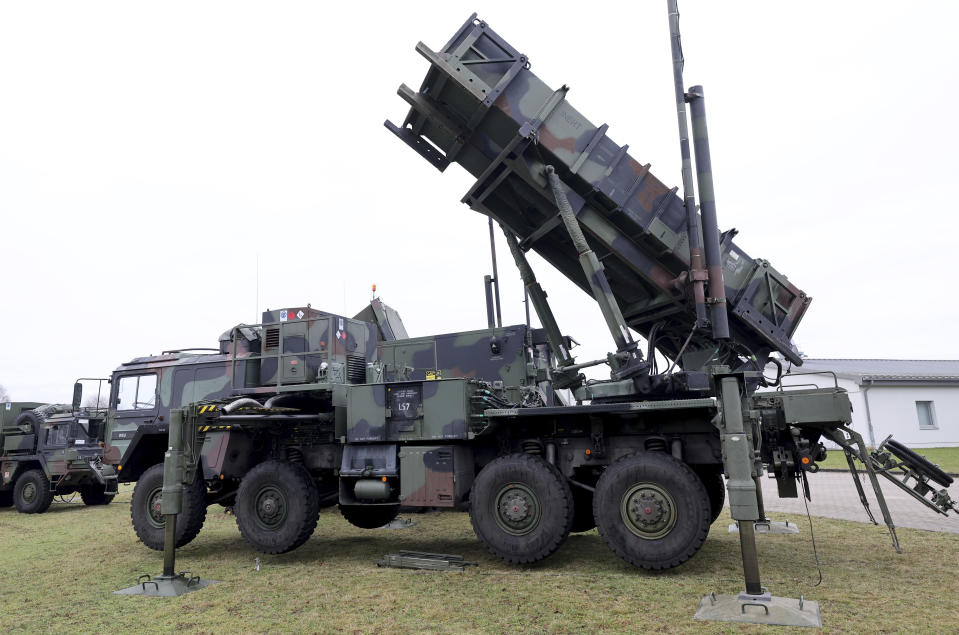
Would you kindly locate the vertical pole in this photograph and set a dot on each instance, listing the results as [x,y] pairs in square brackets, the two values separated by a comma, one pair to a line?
[759,499]
[169,546]
[171,502]
[488,284]
[492,249]
[707,200]
[738,459]
[697,270]
[747,544]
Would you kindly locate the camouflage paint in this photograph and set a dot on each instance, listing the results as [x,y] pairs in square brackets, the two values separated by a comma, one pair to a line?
[410,411]
[498,354]
[60,445]
[434,476]
[635,224]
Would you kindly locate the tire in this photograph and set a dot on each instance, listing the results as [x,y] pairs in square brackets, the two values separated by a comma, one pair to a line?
[34,417]
[369,516]
[145,509]
[521,508]
[715,486]
[582,510]
[652,510]
[32,494]
[277,506]
[92,495]
[6,499]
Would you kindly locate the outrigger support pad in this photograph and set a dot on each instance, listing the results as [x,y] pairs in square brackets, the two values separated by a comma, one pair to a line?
[759,609]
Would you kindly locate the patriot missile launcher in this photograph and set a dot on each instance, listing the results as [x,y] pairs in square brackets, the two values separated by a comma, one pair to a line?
[473,420]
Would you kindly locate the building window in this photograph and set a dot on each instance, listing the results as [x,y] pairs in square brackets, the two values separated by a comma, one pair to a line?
[927,415]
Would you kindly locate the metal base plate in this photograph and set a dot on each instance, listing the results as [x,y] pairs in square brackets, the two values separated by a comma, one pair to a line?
[167,586]
[769,527]
[399,523]
[424,560]
[759,609]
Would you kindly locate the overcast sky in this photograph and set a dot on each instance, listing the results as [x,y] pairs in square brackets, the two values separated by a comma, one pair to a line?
[150,154]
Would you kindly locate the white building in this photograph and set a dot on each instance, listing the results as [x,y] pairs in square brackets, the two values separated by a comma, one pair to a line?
[916,401]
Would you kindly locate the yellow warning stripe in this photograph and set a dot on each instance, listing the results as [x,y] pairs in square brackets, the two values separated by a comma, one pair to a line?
[212,428]
[208,408]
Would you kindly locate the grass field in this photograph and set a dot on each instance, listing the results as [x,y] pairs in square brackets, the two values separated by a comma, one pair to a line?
[946,458]
[60,568]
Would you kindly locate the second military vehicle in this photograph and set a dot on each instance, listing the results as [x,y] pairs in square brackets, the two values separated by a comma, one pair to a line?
[51,450]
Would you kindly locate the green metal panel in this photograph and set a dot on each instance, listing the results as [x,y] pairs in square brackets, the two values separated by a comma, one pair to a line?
[434,476]
[366,413]
[816,407]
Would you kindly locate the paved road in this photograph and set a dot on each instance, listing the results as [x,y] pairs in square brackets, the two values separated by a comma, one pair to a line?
[834,496]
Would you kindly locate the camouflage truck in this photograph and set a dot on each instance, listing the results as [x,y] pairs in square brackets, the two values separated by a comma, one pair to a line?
[502,422]
[296,368]
[51,450]
[145,390]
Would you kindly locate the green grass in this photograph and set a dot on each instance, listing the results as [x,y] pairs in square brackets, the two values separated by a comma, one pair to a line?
[946,458]
[60,568]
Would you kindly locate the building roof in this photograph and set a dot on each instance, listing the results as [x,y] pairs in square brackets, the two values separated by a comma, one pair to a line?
[863,371]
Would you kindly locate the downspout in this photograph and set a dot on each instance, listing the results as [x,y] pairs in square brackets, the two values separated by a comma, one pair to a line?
[865,398]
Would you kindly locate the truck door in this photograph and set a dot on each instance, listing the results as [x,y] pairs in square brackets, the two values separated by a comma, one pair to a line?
[134,404]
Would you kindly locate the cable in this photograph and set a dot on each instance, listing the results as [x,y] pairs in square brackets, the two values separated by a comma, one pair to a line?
[812,536]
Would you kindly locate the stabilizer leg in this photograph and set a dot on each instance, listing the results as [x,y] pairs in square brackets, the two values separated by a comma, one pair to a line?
[859,451]
[169,583]
[858,482]
[755,604]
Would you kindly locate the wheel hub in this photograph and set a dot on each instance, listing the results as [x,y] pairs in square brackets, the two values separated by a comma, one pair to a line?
[270,506]
[29,492]
[648,511]
[517,509]
[154,507]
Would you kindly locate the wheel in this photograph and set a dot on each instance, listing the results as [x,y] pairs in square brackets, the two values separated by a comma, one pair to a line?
[582,510]
[715,486]
[652,510]
[521,508]
[32,493]
[277,506]
[6,499]
[150,524]
[95,495]
[369,516]
[34,418]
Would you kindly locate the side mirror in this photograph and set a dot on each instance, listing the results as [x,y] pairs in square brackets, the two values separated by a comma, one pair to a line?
[77,395]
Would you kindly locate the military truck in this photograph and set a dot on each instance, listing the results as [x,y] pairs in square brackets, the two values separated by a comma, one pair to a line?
[478,420]
[298,359]
[51,450]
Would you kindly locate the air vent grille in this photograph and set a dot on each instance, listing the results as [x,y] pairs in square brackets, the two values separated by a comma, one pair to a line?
[272,339]
[356,369]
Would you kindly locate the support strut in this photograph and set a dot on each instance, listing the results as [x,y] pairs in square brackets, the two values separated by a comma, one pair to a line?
[170,583]
[537,296]
[630,359]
